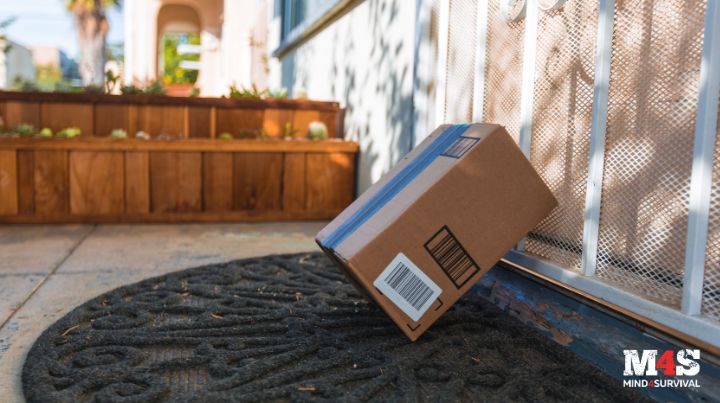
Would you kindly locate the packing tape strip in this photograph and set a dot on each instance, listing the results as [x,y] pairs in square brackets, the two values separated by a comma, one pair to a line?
[395,185]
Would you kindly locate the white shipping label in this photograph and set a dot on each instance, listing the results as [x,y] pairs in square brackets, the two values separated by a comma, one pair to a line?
[408,287]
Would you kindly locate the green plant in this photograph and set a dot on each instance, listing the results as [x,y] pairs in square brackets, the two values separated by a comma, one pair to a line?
[46,132]
[93,89]
[111,80]
[317,131]
[130,90]
[24,84]
[69,132]
[247,134]
[247,93]
[155,88]
[263,135]
[172,60]
[288,130]
[25,130]
[226,136]
[195,92]
[278,94]
[141,135]
[118,134]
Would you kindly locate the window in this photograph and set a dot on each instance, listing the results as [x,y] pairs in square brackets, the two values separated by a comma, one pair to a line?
[302,13]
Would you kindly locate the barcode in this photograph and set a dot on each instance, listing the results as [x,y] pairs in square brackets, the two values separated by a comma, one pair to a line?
[407,287]
[451,256]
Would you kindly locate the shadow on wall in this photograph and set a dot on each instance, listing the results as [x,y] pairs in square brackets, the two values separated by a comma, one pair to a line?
[364,60]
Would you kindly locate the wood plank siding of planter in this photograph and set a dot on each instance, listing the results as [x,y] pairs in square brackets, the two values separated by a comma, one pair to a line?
[190,177]
[97,180]
[177,117]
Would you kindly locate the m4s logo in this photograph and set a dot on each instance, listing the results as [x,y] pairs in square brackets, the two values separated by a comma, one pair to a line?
[670,363]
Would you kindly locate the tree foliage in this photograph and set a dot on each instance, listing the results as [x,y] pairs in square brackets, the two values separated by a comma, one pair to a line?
[90,5]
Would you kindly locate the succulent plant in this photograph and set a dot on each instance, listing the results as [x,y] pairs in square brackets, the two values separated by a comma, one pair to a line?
[317,131]
[69,132]
[155,88]
[247,93]
[278,94]
[141,135]
[119,134]
[93,89]
[288,131]
[130,90]
[46,132]
[25,130]
[226,136]
[247,134]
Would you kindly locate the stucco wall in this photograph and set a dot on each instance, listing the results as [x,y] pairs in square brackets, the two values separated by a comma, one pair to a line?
[364,60]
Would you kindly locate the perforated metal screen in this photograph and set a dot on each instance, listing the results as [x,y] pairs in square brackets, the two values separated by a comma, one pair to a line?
[636,218]
[711,283]
[460,71]
[503,70]
[654,76]
[562,119]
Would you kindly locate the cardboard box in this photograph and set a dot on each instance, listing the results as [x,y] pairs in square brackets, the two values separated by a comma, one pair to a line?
[423,235]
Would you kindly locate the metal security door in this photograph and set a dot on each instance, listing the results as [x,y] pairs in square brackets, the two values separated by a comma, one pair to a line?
[615,103]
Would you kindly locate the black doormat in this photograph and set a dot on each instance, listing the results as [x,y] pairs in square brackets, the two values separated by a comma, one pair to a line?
[290,328]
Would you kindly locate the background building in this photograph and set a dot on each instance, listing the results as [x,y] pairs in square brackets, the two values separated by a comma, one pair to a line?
[15,62]
[53,66]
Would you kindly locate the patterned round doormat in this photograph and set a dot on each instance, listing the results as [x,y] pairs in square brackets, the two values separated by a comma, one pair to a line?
[290,328]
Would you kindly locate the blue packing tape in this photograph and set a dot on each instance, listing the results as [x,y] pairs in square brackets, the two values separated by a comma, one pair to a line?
[395,185]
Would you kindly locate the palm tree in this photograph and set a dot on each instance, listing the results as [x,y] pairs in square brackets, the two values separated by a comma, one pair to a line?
[92,27]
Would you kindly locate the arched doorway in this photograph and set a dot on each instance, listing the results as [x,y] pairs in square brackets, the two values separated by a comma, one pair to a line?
[179,48]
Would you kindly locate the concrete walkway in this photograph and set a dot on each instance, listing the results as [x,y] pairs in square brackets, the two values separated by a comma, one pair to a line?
[45,271]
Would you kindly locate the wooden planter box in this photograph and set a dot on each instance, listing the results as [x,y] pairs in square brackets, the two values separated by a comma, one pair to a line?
[178,117]
[92,180]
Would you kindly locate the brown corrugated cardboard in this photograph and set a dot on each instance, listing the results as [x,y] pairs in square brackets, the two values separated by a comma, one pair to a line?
[419,238]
